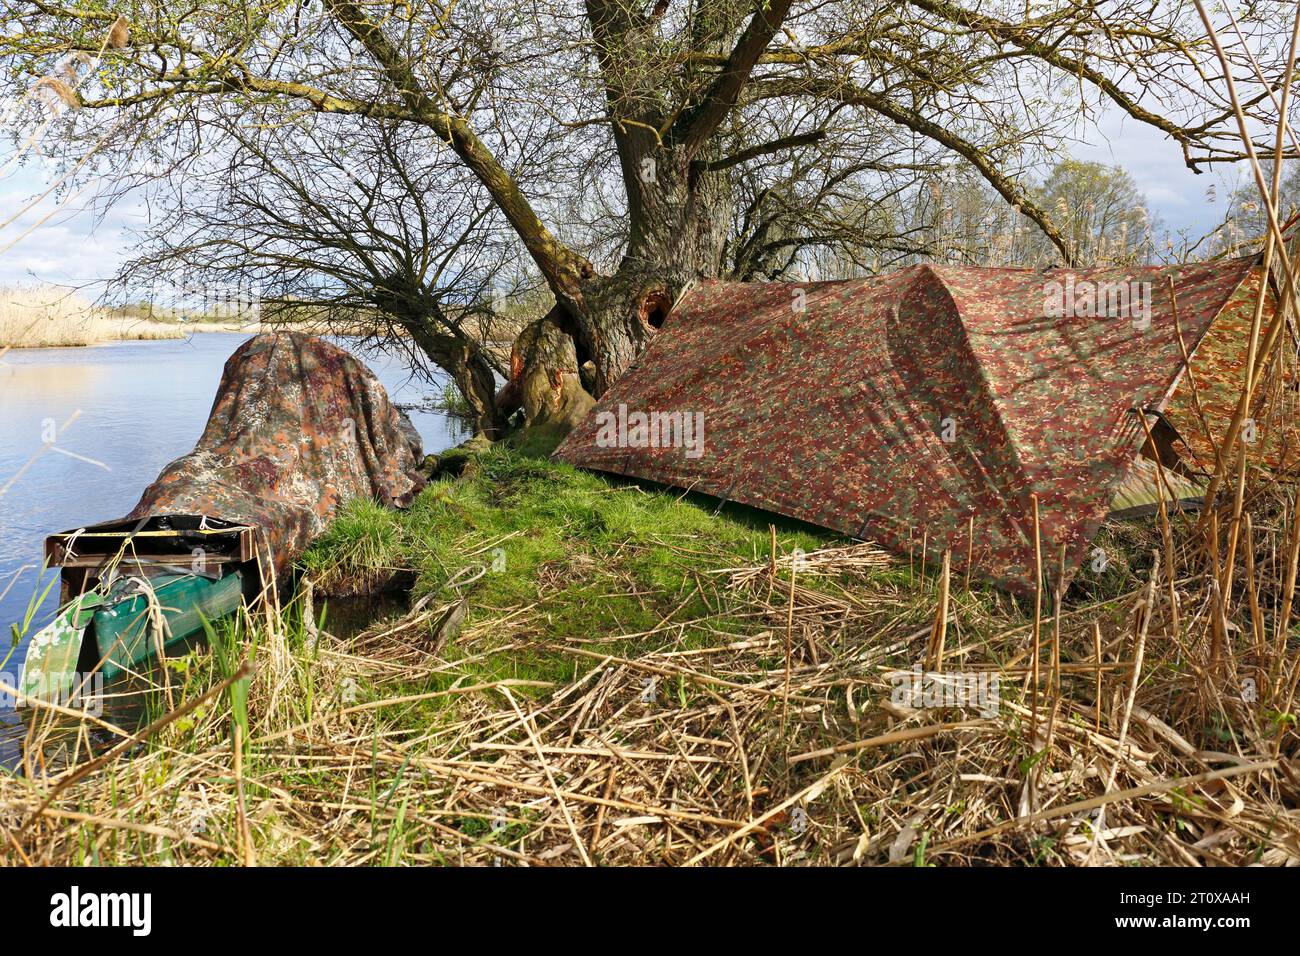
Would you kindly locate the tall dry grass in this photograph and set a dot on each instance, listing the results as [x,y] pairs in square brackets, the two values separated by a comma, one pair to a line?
[41,316]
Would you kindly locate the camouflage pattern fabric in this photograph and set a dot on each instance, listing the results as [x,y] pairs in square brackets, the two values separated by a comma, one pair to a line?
[299,427]
[1206,398]
[912,406]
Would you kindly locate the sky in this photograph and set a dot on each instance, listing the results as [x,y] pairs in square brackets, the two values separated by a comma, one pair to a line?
[69,248]
[72,248]
[1175,193]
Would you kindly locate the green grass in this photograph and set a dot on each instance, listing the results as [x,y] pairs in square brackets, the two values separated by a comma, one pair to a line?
[452,402]
[591,557]
[360,548]
[602,563]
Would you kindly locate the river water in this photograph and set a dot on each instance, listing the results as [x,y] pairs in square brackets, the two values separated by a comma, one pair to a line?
[119,413]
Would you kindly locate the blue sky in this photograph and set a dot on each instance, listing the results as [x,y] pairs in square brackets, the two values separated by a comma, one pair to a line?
[68,248]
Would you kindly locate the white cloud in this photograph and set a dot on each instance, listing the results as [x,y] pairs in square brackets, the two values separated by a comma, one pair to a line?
[60,240]
[1155,161]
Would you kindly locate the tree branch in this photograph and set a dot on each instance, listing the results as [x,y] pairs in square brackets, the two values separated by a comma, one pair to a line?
[562,267]
[910,119]
[1017,36]
[776,145]
[694,128]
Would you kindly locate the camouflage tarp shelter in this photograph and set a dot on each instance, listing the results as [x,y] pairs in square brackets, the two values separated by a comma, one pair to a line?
[910,407]
[298,428]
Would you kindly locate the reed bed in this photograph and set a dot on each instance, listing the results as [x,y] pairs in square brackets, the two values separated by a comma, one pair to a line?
[48,317]
[785,744]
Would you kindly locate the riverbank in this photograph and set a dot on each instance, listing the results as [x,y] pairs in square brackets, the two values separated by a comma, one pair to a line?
[638,676]
[46,317]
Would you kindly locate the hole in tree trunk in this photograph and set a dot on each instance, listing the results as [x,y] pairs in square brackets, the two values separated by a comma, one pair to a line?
[654,308]
[586,365]
[581,351]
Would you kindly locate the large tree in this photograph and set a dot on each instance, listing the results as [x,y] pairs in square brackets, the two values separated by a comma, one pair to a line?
[632,146]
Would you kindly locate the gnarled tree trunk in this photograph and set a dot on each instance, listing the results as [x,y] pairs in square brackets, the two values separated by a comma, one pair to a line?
[470,370]
[678,194]
[679,214]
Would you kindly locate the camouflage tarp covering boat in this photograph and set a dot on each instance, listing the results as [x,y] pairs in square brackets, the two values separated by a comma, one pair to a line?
[298,428]
[913,406]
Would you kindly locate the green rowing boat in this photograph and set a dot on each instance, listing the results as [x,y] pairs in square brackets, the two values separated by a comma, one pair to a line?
[119,631]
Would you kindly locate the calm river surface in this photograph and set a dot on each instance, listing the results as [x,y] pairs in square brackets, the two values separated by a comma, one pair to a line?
[138,406]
